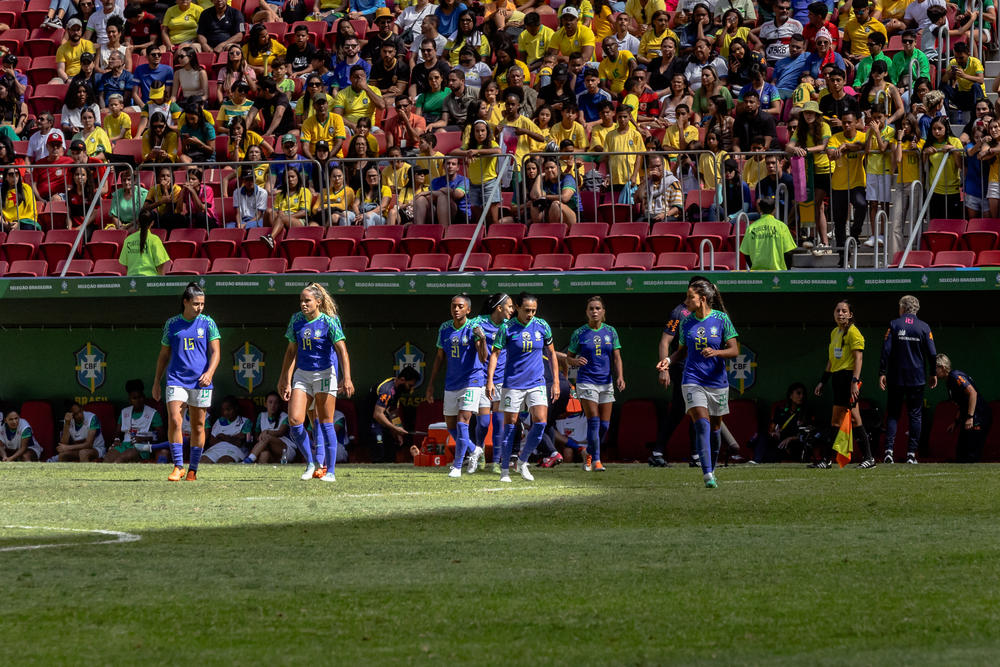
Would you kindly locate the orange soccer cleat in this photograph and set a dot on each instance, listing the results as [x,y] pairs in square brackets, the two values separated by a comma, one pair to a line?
[177,475]
[319,472]
[192,476]
[598,466]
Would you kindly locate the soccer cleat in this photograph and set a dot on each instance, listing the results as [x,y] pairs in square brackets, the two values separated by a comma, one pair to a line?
[695,462]
[455,472]
[328,477]
[177,475]
[599,467]
[587,461]
[497,470]
[867,464]
[911,459]
[474,459]
[248,460]
[192,476]
[551,461]
[821,464]
[523,469]
[320,471]
[888,457]
[269,240]
[657,461]
[310,471]
[710,483]
[505,478]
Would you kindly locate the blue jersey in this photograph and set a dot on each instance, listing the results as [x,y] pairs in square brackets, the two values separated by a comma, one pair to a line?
[465,368]
[188,342]
[697,334]
[485,322]
[958,387]
[315,340]
[596,346]
[524,344]
[907,350]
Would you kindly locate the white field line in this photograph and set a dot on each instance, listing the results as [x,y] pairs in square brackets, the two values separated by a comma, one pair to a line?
[119,538]
[424,493]
[806,479]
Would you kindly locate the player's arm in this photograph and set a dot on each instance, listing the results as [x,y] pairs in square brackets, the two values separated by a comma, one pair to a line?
[438,360]
[619,370]
[382,418]
[25,441]
[859,356]
[345,364]
[490,370]
[214,355]
[731,350]
[481,348]
[664,352]
[554,360]
[287,368]
[161,367]
[930,353]
[973,400]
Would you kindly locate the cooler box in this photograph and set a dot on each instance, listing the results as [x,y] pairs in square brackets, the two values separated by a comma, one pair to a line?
[438,448]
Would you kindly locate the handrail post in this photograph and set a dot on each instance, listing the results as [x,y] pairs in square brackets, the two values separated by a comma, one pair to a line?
[923,211]
[711,254]
[882,244]
[740,218]
[851,243]
[493,196]
[86,221]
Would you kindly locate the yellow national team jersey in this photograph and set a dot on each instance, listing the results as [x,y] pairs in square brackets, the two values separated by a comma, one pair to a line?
[672,136]
[182,26]
[533,46]
[858,35]
[621,167]
[951,178]
[574,133]
[97,141]
[649,45]
[483,169]
[849,168]
[598,136]
[522,143]
[435,166]
[973,68]
[114,126]
[881,163]
[821,160]
[803,93]
[342,199]
[333,128]
[567,45]
[909,163]
[293,202]
[356,105]
[70,55]
[616,71]
[842,347]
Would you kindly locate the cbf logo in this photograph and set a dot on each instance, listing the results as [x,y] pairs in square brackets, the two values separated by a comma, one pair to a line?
[409,356]
[248,366]
[91,364]
[742,369]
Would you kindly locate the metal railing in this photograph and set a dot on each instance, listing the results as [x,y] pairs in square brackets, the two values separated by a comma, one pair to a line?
[915,221]
[86,222]
[491,196]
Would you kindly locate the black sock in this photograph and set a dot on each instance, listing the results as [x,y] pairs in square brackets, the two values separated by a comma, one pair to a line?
[862,437]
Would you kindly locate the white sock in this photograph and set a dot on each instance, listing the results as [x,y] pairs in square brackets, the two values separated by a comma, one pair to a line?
[708,476]
[252,457]
[656,453]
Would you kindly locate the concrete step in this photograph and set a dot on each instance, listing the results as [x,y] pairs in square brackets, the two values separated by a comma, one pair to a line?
[992,68]
[804,259]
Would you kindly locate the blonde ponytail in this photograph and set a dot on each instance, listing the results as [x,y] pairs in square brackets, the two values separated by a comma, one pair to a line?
[326,303]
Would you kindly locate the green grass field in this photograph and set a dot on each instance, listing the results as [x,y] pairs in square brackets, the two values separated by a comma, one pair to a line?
[396,565]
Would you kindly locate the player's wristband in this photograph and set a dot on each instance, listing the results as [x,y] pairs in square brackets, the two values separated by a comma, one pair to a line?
[858,380]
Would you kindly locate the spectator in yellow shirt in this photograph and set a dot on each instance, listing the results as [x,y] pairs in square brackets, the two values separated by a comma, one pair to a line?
[180,25]
[615,67]
[962,83]
[858,27]
[572,37]
[534,40]
[679,135]
[569,128]
[359,100]
[69,52]
[626,139]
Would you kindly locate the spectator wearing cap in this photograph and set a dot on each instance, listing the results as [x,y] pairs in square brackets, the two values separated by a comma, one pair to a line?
[290,151]
[372,50]
[824,56]
[88,74]
[52,183]
[323,126]
[390,72]
[768,242]
[271,110]
[358,100]
[69,52]
[142,29]
[455,108]
[180,25]
[250,201]
[38,142]
[533,42]
[116,81]
[406,127]
[572,37]
[153,71]
[20,79]
[219,26]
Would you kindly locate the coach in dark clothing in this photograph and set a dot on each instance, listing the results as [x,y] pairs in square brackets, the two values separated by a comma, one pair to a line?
[907,354]
[752,121]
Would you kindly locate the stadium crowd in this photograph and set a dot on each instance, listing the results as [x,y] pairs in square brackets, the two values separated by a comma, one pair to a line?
[367,112]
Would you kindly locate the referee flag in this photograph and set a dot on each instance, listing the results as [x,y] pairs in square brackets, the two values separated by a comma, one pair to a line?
[843,444]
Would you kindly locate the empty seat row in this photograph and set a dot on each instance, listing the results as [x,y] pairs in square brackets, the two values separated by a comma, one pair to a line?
[977,234]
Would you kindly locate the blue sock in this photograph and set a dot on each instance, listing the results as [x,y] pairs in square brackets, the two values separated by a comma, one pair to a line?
[195,458]
[605,426]
[573,444]
[715,438]
[158,446]
[508,446]
[320,445]
[467,444]
[593,436]
[459,447]
[482,426]
[701,437]
[498,435]
[301,438]
[534,437]
[177,453]
[330,441]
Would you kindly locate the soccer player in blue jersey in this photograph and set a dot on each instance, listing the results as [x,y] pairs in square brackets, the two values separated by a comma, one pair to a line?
[707,339]
[671,378]
[461,346]
[316,351]
[974,417]
[189,353]
[597,349]
[907,351]
[525,338]
[498,309]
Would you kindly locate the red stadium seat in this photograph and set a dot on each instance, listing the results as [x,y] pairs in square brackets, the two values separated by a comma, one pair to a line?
[253,247]
[544,238]
[675,261]
[510,262]
[456,238]
[626,237]
[590,261]
[477,262]
[380,239]
[557,261]
[634,261]
[953,259]
[13,39]
[585,237]
[988,258]
[348,264]
[27,268]
[300,242]
[716,232]
[668,236]
[941,442]
[48,97]
[131,148]
[43,69]
[613,214]
[34,14]
[55,215]
[222,242]
[317,30]
[77,268]
[637,429]
[39,415]
[22,244]
[189,266]
[106,415]
[185,242]
[982,234]
[341,241]
[105,244]
[942,234]
[917,259]
[388,263]
[724,261]
[429,261]
[268,265]
[309,264]
[3,267]
[57,245]
[230,265]
[420,239]
[503,238]
[703,199]
[107,267]
[448,141]
[43,41]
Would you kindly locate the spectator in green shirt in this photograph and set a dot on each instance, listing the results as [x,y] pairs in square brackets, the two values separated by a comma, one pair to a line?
[900,73]
[127,201]
[143,253]
[876,42]
[767,241]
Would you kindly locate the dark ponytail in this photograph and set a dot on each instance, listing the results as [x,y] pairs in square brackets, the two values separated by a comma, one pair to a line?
[145,222]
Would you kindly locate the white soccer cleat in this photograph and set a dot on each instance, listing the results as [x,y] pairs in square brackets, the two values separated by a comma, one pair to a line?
[455,472]
[308,474]
[505,478]
[474,460]
[328,477]
[523,469]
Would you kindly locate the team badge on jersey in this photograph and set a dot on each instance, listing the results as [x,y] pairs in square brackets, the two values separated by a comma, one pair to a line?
[742,369]
[248,366]
[201,332]
[409,356]
[91,364]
